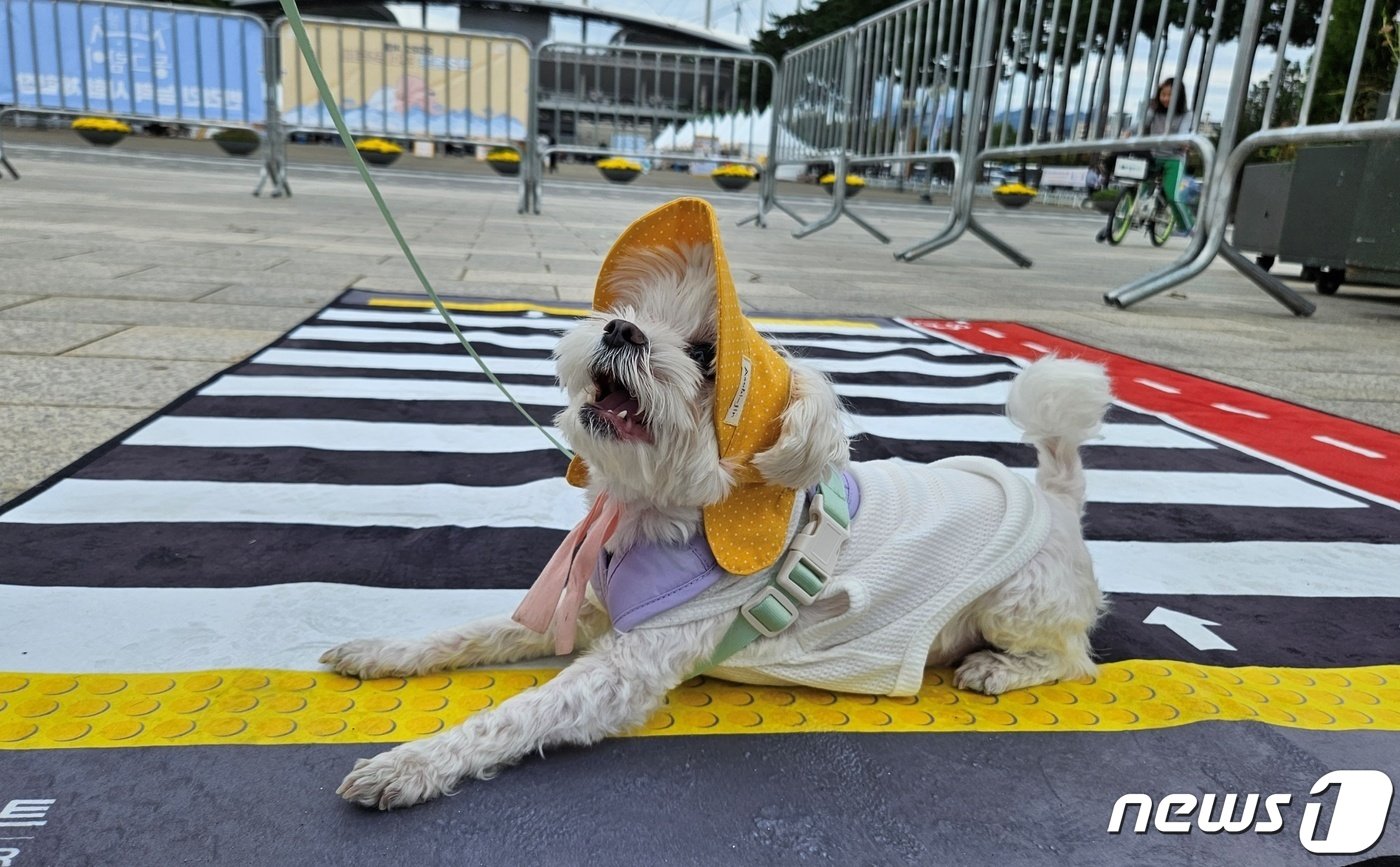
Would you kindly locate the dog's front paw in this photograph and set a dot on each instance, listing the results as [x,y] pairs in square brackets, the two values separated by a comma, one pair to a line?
[986,672]
[400,777]
[366,658]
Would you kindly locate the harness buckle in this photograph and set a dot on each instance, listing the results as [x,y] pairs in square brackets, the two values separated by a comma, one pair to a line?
[805,571]
[769,612]
[812,556]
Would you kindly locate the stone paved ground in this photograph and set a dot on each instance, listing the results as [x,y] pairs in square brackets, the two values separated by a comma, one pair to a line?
[129,276]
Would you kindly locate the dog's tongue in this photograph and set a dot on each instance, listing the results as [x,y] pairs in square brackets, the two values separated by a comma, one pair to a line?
[622,410]
[618,401]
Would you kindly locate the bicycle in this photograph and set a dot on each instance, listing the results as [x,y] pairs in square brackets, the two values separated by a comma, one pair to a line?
[1143,205]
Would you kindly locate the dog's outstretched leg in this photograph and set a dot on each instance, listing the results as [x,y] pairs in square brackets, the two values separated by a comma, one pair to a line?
[490,641]
[606,692]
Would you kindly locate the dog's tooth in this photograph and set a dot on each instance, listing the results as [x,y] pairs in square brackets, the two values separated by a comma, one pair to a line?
[622,414]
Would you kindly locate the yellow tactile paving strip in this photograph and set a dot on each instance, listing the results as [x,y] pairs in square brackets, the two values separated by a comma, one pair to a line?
[57,711]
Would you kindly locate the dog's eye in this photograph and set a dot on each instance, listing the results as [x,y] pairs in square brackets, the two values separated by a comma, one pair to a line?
[703,354]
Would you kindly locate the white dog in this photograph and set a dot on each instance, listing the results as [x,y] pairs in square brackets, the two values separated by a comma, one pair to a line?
[640,384]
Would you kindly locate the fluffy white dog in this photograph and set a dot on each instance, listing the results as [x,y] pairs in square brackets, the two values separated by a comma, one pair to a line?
[640,383]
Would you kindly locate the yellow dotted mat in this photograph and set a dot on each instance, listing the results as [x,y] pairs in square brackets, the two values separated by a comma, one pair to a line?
[45,711]
[580,311]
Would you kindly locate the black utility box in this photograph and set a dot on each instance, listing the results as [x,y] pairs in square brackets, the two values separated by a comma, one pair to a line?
[1263,201]
[1374,255]
[1322,205]
[1335,210]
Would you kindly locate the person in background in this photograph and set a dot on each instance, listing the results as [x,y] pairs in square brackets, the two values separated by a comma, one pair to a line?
[1167,93]
[1173,162]
[553,157]
[1093,178]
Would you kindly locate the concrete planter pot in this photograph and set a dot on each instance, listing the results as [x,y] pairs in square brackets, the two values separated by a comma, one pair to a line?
[101,137]
[1013,200]
[732,183]
[620,176]
[379,158]
[237,147]
[506,169]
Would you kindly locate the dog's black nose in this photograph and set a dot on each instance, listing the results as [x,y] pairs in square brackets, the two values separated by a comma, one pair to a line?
[620,332]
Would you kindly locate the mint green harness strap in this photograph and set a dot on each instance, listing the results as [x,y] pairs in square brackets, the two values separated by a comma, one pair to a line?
[289,8]
[806,568]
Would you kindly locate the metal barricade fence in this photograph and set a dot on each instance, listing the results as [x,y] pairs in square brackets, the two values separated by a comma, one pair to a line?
[810,107]
[1369,110]
[892,89]
[1083,76]
[1080,77]
[653,103]
[403,83]
[143,62]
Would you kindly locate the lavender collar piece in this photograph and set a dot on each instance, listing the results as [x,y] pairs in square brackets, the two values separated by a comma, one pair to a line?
[650,578]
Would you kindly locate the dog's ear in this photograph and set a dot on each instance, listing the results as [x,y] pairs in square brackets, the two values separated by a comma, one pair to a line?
[813,443]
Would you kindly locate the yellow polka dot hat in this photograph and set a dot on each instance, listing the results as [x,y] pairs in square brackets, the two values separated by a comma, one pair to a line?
[748,530]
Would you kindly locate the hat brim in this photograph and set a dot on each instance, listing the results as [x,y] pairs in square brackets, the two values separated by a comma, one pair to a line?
[747,530]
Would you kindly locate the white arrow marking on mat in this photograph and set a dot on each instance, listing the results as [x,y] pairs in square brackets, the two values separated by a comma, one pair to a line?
[1192,629]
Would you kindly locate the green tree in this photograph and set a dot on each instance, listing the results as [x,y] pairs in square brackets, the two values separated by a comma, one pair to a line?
[1288,105]
[805,25]
[1332,65]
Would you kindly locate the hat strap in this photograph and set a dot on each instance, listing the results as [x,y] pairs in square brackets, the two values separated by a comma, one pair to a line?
[557,594]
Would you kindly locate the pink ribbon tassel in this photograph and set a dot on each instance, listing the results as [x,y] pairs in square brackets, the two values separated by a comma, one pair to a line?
[557,595]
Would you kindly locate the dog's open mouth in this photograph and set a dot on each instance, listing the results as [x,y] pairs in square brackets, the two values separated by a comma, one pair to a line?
[616,406]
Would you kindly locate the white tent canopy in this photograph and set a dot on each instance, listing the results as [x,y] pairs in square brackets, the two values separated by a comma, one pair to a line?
[741,132]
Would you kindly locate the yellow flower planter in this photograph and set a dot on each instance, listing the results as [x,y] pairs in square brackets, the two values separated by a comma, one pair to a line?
[733,177]
[504,161]
[101,131]
[378,151]
[619,170]
[854,184]
[1013,195]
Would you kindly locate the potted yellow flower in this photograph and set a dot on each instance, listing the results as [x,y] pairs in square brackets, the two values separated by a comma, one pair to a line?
[378,151]
[505,161]
[733,177]
[101,131]
[1013,195]
[619,170]
[854,184]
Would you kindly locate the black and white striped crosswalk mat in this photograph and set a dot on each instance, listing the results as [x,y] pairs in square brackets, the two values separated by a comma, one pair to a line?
[363,467]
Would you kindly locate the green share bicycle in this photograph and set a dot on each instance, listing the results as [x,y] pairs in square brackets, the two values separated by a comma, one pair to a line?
[1141,205]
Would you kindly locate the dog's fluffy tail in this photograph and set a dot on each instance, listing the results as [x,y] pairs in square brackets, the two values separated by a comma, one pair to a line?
[1059,403]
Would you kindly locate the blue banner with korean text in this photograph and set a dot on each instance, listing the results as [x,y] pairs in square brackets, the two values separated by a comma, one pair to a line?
[132,60]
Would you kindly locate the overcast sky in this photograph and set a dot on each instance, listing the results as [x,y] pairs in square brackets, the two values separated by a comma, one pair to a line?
[724,14]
